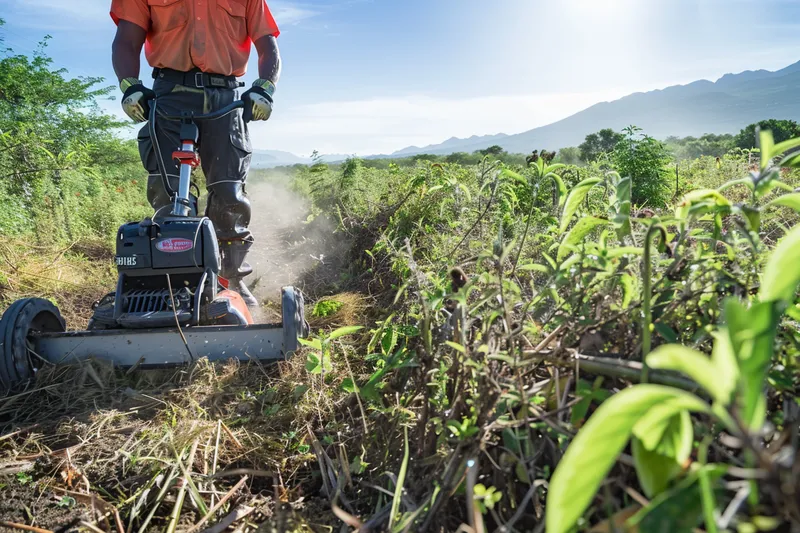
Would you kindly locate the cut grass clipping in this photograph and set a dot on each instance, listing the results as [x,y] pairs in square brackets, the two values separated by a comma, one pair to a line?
[345,309]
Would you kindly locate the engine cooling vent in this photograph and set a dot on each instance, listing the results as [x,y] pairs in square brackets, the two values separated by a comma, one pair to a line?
[152,301]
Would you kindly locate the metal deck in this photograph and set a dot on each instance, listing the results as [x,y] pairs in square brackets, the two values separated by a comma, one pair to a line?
[164,347]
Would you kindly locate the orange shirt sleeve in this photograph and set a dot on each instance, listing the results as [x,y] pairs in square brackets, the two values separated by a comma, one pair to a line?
[135,11]
[260,21]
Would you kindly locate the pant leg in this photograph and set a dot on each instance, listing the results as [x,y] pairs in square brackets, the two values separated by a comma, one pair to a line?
[172,100]
[225,154]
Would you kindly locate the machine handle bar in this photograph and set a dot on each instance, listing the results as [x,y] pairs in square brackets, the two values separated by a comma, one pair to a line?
[227,110]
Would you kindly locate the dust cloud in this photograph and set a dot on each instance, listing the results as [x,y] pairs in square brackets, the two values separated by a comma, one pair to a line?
[286,248]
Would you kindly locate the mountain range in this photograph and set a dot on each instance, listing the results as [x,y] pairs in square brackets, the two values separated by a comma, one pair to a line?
[724,106]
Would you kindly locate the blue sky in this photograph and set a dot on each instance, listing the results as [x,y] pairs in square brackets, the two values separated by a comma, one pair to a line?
[374,76]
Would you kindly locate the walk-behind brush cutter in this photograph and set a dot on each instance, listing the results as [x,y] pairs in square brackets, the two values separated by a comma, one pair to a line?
[170,306]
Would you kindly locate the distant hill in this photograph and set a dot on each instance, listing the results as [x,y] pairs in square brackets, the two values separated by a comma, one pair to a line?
[451,144]
[277,158]
[724,106]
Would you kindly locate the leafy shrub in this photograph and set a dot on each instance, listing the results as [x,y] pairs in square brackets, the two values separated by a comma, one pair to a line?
[643,159]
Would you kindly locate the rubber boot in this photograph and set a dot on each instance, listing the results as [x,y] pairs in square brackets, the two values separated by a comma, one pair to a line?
[235,268]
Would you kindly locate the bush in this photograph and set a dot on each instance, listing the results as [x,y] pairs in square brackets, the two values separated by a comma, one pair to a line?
[64,173]
[644,160]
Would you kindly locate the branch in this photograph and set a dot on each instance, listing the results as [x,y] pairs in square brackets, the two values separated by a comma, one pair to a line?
[616,368]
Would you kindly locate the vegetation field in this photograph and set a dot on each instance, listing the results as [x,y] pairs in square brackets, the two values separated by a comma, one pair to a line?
[599,340]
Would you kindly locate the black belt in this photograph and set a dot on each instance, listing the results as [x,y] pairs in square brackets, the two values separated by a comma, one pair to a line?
[197,79]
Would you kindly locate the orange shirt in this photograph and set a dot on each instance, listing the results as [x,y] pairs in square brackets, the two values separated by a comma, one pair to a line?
[212,35]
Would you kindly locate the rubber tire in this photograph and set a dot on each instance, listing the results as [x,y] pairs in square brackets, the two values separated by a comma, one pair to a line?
[294,321]
[21,319]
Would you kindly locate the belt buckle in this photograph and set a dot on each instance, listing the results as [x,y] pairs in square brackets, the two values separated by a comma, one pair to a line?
[198,80]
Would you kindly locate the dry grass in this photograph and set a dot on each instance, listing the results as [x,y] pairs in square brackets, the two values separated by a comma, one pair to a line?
[347,309]
[162,448]
[79,274]
[104,449]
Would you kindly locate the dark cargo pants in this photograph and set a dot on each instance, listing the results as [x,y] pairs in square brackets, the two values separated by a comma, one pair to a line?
[225,152]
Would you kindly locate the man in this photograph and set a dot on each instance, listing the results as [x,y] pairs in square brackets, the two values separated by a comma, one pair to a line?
[197,49]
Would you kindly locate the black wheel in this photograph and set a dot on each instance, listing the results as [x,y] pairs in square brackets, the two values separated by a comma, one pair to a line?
[294,319]
[21,319]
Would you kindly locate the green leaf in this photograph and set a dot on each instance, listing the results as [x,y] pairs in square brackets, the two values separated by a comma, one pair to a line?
[657,467]
[67,502]
[752,335]
[389,340]
[624,188]
[513,175]
[700,200]
[578,233]
[622,216]
[787,200]
[753,217]
[666,332]
[678,510]
[766,143]
[726,367]
[313,364]
[401,479]
[561,187]
[781,275]
[585,464]
[576,196]
[550,261]
[734,183]
[694,364]
[341,332]
[785,146]
[624,250]
[457,347]
[626,280]
[349,386]
[313,343]
[580,409]
[466,192]
[532,267]
[300,391]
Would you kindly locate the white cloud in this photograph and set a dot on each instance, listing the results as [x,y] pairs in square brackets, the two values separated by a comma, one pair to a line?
[287,13]
[383,125]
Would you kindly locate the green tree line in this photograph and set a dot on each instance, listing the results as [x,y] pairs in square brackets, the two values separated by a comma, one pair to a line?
[65,173]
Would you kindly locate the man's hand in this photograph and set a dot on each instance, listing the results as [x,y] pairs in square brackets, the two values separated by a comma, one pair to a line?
[258,100]
[136,99]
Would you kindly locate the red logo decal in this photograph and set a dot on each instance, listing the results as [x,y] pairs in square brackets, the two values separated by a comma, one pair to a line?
[174,245]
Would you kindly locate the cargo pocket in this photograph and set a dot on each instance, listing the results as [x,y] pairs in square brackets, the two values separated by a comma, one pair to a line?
[232,17]
[167,15]
[242,148]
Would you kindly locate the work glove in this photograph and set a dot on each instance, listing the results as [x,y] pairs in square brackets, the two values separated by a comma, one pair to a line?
[136,99]
[258,100]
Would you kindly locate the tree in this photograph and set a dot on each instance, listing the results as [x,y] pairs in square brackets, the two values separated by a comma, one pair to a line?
[782,130]
[570,155]
[462,158]
[597,144]
[708,145]
[495,151]
[61,166]
[644,160]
